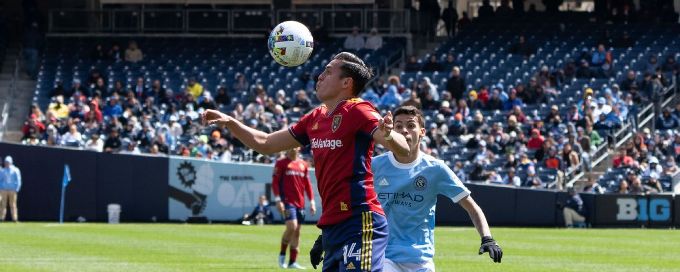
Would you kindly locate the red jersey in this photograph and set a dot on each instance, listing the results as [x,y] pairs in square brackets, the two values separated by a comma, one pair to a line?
[291,181]
[342,145]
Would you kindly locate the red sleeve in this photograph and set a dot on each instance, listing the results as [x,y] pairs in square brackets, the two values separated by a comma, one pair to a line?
[278,172]
[367,116]
[310,192]
[299,130]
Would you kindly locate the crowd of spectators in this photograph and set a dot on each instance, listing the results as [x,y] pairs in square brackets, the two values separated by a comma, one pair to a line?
[471,128]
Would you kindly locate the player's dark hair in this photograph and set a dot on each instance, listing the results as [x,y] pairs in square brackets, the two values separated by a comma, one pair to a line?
[352,66]
[411,110]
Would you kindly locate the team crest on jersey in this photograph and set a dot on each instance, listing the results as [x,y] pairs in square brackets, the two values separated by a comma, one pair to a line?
[420,183]
[336,122]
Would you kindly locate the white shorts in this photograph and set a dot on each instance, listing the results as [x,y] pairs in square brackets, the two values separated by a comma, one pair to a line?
[390,266]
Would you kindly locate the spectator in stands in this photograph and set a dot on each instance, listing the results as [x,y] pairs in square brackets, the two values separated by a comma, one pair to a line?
[521,47]
[413,100]
[670,65]
[449,62]
[354,42]
[72,137]
[464,21]
[157,91]
[570,157]
[450,18]
[651,65]
[130,147]
[432,65]
[113,109]
[35,109]
[600,57]
[194,88]
[485,11]
[511,179]
[222,98]
[32,125]
[667,121]
[504,11]
[412,64]
[133,53]
[374,41]
[622,159]
[532,180]
[670,168]
[114,53]
[536,140]
[76,87]
[652,185]
[391,97]
[574,211]
[584,71]
[302,102]
[635,184]
[593,187]
[57,108]
[140,90]
[58,89]
[430,13]
[629,81]
[98,53]
[95,143]
[654,168]
[512,102]
[241,85]
[456,84]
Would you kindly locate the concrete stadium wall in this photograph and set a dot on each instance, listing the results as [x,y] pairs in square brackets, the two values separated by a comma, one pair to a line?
[141,185]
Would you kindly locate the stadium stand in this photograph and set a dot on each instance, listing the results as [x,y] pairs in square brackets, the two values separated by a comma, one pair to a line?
[542,101]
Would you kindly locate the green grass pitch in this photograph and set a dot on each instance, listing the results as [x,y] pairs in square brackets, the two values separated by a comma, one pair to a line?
[219,247]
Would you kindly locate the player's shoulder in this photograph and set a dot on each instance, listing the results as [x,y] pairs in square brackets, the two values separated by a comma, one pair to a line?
[382,158]
[432,161]
[359,104]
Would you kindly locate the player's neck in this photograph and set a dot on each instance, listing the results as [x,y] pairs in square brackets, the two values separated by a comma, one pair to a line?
[407,159]
[333,103]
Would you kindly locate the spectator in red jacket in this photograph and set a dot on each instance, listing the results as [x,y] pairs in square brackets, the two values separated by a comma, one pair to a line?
[622,159]
[536,140]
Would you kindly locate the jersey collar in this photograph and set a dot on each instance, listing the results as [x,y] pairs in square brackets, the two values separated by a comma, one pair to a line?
[399,165]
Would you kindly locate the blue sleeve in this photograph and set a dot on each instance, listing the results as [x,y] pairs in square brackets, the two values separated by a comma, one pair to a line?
[18,180]
[449,184]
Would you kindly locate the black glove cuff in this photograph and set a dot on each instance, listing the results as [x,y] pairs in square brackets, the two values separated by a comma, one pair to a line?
[487,239]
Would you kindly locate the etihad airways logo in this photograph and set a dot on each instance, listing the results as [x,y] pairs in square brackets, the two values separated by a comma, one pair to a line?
[326,143]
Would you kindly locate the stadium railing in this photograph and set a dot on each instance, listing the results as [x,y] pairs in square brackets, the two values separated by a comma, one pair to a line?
[4,115]
[646,115]
[221,21]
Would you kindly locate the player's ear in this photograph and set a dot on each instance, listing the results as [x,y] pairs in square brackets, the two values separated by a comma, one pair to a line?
[347,82]
[422,132]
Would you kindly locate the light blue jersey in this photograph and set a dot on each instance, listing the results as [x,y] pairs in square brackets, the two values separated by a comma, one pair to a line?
[408,194]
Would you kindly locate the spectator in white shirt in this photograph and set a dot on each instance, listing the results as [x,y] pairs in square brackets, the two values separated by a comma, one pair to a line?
[374,41]
[72,137]
[94,143]
[354,41]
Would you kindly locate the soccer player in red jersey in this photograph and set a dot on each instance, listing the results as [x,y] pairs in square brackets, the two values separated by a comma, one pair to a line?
[341,132]
[290,183]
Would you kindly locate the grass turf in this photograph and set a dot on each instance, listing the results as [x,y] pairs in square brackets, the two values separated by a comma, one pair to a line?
[181,247]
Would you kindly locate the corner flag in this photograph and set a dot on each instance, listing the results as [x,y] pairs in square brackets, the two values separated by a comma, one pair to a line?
[64,182]
[67,176]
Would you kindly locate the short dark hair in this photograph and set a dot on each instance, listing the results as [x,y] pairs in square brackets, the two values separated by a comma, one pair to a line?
[411,110]
[352,66]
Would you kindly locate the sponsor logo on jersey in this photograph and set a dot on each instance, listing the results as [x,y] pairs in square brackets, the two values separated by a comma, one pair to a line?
[337,119]
[315,126]
[295,173]
[401,198]
[343,206]
[326,143]
[420,183]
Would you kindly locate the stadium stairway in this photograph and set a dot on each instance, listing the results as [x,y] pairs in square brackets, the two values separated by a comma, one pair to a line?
[19,100]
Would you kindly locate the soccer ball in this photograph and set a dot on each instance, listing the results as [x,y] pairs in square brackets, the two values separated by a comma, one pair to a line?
[290,43]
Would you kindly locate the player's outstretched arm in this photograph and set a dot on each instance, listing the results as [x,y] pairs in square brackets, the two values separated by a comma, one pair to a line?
[393,141]
[265,143]
[479,220]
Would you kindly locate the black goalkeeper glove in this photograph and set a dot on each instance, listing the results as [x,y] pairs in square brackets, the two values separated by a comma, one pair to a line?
[490,245]
[316,253]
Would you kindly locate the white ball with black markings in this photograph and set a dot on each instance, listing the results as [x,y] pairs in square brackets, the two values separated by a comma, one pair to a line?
[290,43]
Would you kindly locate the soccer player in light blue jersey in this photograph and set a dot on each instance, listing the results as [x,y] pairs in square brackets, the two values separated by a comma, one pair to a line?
[407,188]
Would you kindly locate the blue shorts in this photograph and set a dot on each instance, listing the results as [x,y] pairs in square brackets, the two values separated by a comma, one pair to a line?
[292,213]
[358,244]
